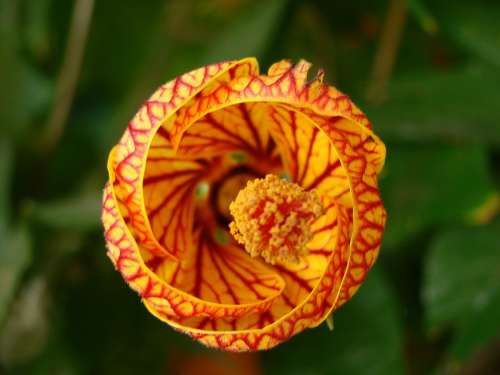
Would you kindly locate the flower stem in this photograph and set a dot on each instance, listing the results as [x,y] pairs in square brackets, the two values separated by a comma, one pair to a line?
[386,54]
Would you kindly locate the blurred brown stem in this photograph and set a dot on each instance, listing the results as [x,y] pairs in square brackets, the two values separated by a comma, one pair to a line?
[388,47]
[68,76]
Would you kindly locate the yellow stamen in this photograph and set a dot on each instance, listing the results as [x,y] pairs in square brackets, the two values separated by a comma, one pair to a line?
[272,218]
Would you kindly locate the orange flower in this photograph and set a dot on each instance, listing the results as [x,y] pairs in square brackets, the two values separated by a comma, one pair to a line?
[205,150]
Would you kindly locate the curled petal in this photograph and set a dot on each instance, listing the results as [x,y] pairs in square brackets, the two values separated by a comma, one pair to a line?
[180,139]
[128,158]
[356,149]
[362,155]
[172,302]
[245,334]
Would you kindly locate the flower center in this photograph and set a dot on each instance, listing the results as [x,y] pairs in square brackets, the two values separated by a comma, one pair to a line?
[272,218]
[228,190]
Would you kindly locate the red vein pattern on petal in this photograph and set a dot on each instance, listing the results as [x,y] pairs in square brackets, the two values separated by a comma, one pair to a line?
[229,129]
[170,301]
[308,153]
[224,274]
[286,86]
[361,156]
[290,87]
[169,195]
[248,337]
[129,156]
[300,278]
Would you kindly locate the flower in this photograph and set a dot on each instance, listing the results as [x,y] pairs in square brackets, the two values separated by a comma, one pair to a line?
[243,208]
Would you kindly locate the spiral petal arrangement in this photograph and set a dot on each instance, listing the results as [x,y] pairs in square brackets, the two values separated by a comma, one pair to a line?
[289,163]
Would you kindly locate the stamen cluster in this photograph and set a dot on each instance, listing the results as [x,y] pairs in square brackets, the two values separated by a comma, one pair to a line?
[272,218]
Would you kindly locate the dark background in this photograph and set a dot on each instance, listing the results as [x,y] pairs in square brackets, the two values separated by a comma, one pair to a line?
[426,72]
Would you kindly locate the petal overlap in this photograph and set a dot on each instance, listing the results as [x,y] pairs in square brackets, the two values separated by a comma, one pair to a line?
[210,129]
[158,291]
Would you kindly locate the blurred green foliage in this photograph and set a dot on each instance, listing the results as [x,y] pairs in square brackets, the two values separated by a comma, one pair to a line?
[431,304]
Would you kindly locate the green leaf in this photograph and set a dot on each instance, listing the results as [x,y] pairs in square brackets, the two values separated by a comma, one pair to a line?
[453,106]
[474,26]
[423,186]
[80,212]
[462,286]
[25,332]
[462,273]
[366,339]
[15,255]
[477,330]
[248,35]
[24,92]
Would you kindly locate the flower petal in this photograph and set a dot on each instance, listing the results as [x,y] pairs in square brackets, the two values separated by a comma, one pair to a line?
[160,293]
[362,155]
[224,274]
[258,331]
[169,187]
[229,129]
[354,152]
[285,84]
[128,158]
[360,152]
[308,152]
